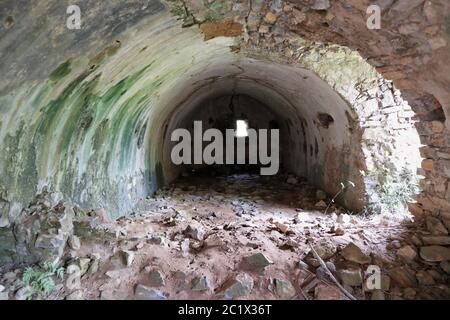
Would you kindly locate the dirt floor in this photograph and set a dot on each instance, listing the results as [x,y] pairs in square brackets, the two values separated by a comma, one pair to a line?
[246,237]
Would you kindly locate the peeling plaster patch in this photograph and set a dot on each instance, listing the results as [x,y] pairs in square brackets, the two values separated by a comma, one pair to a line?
[226,28]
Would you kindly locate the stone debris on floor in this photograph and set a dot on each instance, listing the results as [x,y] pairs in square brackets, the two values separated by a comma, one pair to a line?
[230,237]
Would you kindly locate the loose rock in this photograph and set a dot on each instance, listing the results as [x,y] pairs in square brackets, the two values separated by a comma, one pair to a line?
[242,286]
[353,253]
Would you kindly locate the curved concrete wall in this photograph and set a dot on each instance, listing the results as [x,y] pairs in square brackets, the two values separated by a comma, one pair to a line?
[88,112]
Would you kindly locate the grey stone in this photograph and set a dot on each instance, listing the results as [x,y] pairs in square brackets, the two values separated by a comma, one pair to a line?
[22,293]
[4,296]
[76,295]
[445,265]
[200,284]
[435,253]
[284,289]
[325,250]
[241,286]
[256,262]
[145,293]
[156,278]
[343,218]
[353,253]
[403,276]
[436,240]
[321,195]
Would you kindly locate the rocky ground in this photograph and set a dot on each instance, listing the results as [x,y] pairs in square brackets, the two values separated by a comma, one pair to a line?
[234,237]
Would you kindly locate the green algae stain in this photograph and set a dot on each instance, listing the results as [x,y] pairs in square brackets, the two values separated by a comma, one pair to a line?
[63,70]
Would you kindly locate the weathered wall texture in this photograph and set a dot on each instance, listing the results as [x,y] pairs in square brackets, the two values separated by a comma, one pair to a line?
[85,112]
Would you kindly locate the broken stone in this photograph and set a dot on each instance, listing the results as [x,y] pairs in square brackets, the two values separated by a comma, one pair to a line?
[103,215]
[22,294]
[159,240]
[407,254]
[321,5]
[339,232]
[321,273]
[200,284]
[292,180]
[74,242]
[76,295]
[270,18]
[94,266]
[113,295]
[4,296]
[435,226]
[327,292]
[84,265]
[156,278]
[324,250]
[436,240]
[409,293]
[445,265]
[127,256]
[424,278]
[353,253]
[284,289]
[350,277]
[241,286]
[435,253]
[145,293]
[195,231]
[256,262]
[403,276]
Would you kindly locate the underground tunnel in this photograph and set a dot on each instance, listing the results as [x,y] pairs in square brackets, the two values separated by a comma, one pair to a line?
[89,187]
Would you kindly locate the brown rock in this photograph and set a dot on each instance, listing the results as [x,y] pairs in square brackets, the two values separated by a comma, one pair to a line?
[435,253]
[326,292]
[436,240]
[424,278]
[435,226]
[428,164]
[403,276]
